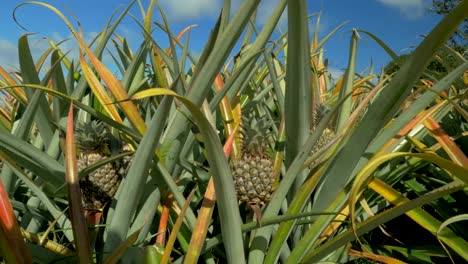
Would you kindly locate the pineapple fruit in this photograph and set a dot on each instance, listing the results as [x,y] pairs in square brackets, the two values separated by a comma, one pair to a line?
[94,142]
[327,135]
[253,171]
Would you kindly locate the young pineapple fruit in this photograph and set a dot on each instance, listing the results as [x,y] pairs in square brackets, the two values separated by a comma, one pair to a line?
[98,187]
[253,171]
[327,135]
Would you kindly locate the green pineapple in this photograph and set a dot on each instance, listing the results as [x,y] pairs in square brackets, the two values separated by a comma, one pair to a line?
[99,187]
[253,171]
[327,135]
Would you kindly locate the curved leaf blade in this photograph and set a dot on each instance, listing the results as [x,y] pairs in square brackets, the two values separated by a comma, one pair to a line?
[79,226]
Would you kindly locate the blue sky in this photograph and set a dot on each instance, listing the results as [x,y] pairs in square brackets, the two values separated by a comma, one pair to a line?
[399,23]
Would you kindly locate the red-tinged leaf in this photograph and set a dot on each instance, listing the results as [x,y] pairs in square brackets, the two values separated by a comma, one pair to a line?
[79,226]
[92,217]
[161,237]
[113,84]
[453,151]
[99,91]
[411,125]
[18,93]
[456,106]
[179,36]
[117,90]
[12,246]
[375,257]
[227,148]
[203,223]
[206,212]
[257,212]
[175,230]
[222,178]
[230,119]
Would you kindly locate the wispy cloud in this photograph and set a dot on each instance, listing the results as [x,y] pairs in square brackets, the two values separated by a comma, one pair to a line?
[181,10]
[265,10]
[335,73]
[38,45]
[8,53]
[185,10]
[412,9]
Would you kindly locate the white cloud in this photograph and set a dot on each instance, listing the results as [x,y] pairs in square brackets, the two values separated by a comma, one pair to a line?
[180,10]
[184,10]
[8,54]
[412,9]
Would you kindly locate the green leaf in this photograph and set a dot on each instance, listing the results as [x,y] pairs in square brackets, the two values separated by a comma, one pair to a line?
[30,76]
[205,75]
[226,197]
[317,254]
[348,83]
[12,245]
[26,155]
[451,220]
[383,108]
[120,250]
[298,97]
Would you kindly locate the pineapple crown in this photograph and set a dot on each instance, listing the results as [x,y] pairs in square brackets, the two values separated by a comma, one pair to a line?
[93,136]
[255,135]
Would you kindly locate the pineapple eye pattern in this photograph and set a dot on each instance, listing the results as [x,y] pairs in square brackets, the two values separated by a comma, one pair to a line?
[99,187]
[253,171]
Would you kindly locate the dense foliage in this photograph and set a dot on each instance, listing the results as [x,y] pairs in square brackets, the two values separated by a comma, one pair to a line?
[260,158]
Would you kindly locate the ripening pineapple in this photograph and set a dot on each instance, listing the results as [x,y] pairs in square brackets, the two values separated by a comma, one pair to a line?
[98,187]
[253,171]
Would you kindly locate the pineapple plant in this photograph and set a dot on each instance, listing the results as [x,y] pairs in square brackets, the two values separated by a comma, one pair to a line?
[96,143]
[253,171]
[215,221]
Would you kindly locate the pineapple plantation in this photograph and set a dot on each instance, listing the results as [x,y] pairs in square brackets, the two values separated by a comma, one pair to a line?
[258,157]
